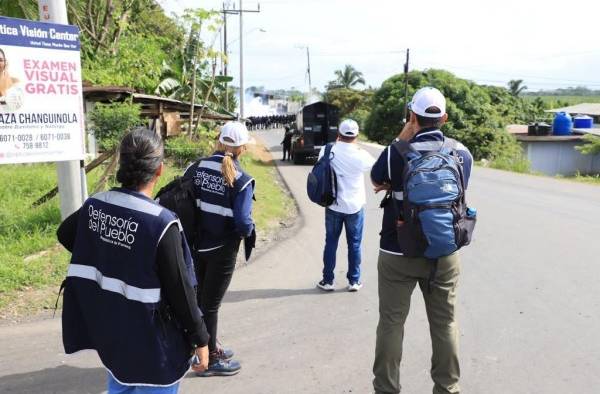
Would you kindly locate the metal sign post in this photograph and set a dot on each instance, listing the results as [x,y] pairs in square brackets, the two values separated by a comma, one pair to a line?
[72,186]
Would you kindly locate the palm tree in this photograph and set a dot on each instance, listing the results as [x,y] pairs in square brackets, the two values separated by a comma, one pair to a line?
[515,88]
[347,78]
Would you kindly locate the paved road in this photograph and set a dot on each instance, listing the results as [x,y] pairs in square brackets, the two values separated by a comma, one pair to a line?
[529,306]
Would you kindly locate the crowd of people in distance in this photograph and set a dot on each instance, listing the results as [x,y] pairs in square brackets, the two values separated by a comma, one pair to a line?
[268,122]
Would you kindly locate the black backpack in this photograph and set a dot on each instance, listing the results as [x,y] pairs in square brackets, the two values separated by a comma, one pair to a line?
[179,197]
[321,185]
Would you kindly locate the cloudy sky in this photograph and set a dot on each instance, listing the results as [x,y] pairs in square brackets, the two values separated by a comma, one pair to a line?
[548,44]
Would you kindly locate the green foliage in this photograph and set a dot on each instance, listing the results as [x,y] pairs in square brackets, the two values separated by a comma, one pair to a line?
[578,91]
[183,149]
[591,146]
[139,64]
[112,121]
[506,154]
[24,9]
[477,115]
[591,179]
[349,100]
[191,74]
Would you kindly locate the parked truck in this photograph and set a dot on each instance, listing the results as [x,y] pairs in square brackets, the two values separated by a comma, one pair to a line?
[316,125]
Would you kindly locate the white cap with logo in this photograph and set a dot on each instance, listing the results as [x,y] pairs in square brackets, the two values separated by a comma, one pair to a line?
[349,128]
[234,134]
[426,98]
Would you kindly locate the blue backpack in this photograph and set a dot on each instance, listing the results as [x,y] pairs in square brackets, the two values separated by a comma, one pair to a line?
[321,185]
[435,220]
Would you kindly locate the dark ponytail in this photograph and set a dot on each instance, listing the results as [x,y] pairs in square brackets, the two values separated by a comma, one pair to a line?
[140,156]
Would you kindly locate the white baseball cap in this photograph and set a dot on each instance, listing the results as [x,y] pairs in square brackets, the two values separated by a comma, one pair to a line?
[349,128]
[234,134]
[425,98]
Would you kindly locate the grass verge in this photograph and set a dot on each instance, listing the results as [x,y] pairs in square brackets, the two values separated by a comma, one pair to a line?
[32,264]
[273,205]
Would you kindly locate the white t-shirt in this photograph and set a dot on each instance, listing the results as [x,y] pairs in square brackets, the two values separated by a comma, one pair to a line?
[349,161]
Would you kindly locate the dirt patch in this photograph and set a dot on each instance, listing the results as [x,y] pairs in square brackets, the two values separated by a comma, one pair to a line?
[260,151]
[30,305]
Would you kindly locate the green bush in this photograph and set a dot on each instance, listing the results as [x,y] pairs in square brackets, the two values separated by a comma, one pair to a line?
[591,146]
[112,121]
[477,115]
[183,149]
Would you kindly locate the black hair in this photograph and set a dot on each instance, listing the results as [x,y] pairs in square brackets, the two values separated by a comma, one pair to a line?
[346,138]
[3,54]
[140,155]
[425,122]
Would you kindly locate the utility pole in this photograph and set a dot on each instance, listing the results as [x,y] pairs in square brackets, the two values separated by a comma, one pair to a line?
[242,93]
[308,71]
[241,12]
[72,185]
[406,86]
[307,67]
[226,56]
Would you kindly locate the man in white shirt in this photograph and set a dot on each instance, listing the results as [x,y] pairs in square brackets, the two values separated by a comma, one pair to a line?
[349,162]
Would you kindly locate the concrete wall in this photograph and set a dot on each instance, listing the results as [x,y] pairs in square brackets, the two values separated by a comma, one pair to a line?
[560,158]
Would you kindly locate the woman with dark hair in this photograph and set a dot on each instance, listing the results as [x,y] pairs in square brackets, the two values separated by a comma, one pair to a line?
[129,292]
[224,195]
[11,97]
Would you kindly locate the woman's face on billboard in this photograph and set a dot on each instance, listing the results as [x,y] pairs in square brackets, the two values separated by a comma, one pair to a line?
[2,62]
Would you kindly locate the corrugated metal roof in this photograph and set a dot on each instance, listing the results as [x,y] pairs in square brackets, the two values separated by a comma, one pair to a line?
[583,108]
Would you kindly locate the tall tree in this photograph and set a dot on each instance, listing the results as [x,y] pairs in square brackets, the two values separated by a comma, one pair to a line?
[347,78]
[515,87]
[191,76]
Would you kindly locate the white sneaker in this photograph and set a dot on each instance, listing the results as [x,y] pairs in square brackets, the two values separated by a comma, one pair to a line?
[355,286]
[325,286]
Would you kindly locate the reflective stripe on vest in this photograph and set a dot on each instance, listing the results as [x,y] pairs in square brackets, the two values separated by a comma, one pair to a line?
[128,201]
[115,285]
[398,196]
[213,208]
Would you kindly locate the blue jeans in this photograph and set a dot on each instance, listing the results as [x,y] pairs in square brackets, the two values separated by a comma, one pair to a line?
[115,387]
[333,228]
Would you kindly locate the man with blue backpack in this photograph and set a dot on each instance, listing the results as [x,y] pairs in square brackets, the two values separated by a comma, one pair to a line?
[337,183]
[425,221]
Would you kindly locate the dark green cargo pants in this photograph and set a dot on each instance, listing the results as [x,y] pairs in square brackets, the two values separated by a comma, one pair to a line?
[398,276]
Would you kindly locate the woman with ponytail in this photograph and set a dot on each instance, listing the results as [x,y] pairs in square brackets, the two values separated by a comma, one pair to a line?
[224,194]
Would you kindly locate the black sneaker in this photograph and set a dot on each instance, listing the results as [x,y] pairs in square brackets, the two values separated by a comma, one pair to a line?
[218,367]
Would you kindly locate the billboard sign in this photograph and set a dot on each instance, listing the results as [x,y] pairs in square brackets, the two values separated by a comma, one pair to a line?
[41,101]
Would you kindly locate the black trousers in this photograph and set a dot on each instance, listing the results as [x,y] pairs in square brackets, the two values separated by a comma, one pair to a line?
[286,149]
[214,270]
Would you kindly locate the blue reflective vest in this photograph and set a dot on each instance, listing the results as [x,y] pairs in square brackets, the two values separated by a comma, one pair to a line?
[112,299]
[215,200]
